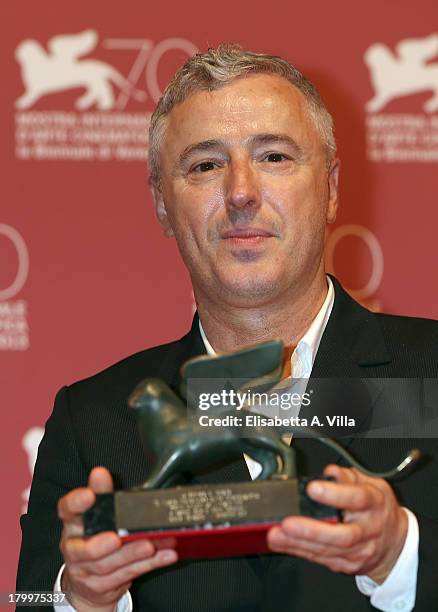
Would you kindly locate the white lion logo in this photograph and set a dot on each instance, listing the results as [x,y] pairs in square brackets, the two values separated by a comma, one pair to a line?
[61,69]
[31,441]
[405,73]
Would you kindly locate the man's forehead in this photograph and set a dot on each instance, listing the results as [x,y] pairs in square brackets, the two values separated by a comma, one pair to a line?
[247,103]
[245,93]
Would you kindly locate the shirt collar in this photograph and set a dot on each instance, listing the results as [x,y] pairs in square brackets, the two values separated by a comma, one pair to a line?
[304,354]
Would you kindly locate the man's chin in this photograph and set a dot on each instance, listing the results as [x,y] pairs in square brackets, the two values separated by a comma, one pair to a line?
[249,291]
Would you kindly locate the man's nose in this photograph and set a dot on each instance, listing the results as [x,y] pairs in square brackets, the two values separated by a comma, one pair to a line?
[242,187]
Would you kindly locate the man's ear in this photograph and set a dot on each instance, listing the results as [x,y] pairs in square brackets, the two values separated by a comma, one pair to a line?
[333,190]
[160,210]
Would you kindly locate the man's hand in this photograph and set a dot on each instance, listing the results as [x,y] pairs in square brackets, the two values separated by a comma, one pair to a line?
[370,539]
[99,570]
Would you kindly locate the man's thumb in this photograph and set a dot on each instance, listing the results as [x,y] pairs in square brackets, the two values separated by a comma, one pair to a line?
[100,480]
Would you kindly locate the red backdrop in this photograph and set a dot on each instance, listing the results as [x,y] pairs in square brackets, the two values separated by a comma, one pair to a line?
[84,270]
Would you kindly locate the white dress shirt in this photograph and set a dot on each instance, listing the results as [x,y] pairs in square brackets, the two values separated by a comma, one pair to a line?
[397,592]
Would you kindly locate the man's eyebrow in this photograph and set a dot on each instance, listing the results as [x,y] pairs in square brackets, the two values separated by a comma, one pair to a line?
[266,139]
[204,145]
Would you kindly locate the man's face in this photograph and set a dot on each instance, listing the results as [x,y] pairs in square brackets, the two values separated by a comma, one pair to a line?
[246,191]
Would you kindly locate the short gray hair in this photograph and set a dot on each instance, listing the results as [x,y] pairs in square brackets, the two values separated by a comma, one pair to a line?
[219,67]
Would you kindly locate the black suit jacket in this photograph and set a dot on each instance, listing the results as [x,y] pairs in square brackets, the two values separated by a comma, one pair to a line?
[91,425]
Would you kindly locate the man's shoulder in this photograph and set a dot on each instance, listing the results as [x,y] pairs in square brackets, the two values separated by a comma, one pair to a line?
[412,343]
[410,331]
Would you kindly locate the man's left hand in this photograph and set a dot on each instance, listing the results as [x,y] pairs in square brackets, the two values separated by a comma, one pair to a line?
[367,542]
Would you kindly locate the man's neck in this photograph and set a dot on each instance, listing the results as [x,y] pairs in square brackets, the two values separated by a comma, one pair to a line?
[229,328]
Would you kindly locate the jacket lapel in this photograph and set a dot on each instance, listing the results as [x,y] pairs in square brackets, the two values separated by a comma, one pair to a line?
[190,345]
[352,340]
[351,351]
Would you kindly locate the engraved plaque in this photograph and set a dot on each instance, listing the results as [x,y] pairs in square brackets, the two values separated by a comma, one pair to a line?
[197,506]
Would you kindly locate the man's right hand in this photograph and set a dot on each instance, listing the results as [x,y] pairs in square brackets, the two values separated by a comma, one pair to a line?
[99,570]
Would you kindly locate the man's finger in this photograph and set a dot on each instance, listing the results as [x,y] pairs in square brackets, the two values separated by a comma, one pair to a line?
[303,529]
[342,475]
[100,480]
[351,476]
[280,542]
[129,553]
[354,497]
[103,584]
[77,501]
[79,549]
[74,503]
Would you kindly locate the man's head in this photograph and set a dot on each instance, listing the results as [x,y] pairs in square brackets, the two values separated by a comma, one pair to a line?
[244,176]
[219,67]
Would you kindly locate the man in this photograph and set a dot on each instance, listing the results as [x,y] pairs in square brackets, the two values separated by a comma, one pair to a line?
[245,177]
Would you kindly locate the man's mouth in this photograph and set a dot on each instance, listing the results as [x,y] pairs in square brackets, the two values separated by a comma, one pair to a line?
[246,235]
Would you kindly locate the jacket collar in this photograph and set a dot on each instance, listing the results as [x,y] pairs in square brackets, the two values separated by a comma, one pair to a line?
[190,345]
[352,340]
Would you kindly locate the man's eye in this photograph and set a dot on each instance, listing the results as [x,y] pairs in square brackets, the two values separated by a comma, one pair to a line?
[204,167]
[275,157]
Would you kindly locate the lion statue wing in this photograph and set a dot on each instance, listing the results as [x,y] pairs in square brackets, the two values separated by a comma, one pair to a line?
[73,45]
[418,49]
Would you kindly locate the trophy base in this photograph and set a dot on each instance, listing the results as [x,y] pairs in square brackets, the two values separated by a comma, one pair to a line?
[205,521]
[213,543]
